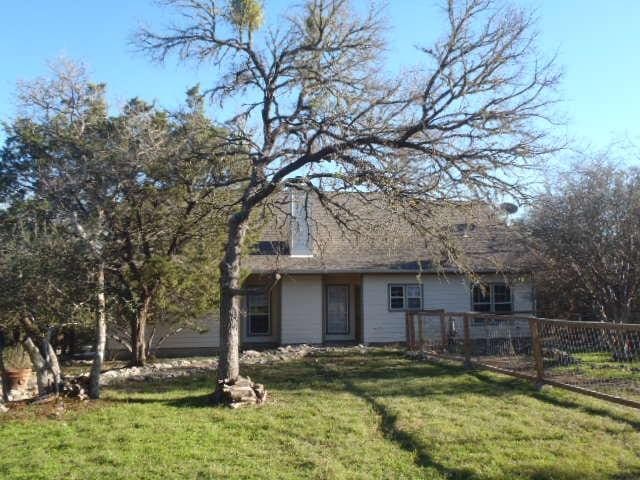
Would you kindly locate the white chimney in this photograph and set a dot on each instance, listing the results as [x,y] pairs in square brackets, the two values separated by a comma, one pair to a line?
[301,240]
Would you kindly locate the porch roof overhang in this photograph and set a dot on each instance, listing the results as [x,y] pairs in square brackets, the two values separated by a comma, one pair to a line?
[314,266]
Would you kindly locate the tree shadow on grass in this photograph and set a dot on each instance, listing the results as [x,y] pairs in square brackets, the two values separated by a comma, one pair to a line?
[405,440]
[388,421]
[547,397]
[565,473]
[190,401]
[410,379]
[388,373]
[601,412]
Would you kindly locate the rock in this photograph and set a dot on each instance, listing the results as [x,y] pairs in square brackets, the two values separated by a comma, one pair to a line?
[75,387]
[240,393]
[45,399]
[251,353]
[243,382]
[261,392]
[172,368]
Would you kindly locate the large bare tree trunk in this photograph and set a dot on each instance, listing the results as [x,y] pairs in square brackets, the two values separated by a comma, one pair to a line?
[43,375]
[230,306]
[101,337]
[138,335]
[44,358]
[51,361]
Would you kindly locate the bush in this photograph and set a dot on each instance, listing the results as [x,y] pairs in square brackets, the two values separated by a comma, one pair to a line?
[16,358]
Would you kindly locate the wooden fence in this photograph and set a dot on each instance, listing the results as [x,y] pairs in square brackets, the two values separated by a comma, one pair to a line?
[594,358]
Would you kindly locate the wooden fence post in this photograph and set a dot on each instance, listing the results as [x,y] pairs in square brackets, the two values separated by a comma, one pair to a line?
[411,334]
[420,330]
[406,330]
[467,340]
[536,350]
[443,331]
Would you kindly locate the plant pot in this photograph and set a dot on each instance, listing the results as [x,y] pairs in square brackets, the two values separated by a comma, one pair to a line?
[18,378]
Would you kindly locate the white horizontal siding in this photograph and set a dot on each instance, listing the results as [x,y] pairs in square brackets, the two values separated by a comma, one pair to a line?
[186,339]
[301,314]
[381,325]
[522,294]
[451,293]
[498,329]
[432,330]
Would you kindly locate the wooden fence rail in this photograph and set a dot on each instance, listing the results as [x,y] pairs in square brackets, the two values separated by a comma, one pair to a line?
[598,359]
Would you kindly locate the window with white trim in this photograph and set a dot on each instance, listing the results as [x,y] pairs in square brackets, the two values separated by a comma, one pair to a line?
[258,318]
[492,298]
[405,296]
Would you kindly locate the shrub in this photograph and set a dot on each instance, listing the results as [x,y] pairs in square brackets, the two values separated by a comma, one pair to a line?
[16,358]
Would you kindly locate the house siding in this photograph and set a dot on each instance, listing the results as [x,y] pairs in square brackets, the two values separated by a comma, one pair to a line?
[298,310]
[190,339]
[301,310]
[380,324]
[523,298]
[187,342]
[451,293]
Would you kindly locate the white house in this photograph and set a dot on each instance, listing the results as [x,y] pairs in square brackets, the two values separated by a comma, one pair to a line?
[338,286]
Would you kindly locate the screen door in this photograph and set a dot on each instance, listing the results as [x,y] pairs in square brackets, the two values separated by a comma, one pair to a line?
[337,309]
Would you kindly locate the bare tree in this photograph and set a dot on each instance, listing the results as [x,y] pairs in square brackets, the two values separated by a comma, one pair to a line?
[313,108]
[586,239]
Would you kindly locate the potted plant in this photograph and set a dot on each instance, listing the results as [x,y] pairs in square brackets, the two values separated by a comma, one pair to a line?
[17,366]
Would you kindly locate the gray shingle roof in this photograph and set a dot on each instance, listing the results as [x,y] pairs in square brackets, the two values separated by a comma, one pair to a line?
[378,238]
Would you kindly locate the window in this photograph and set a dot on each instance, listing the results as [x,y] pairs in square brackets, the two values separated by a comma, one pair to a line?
[492,298]
[258,314]
[405,297]
[501,298]
[275,247]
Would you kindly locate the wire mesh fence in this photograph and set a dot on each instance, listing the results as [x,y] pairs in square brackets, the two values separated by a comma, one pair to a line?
[599,359]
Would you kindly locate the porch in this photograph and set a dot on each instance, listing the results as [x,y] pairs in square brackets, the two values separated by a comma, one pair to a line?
[319,309]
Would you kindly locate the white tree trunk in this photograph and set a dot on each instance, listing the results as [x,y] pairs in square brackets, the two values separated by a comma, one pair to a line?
[51,362]
[43,375]
[101,337]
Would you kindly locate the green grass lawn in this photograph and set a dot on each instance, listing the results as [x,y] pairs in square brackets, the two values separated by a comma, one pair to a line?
[598,371]
[600,365]
[338,415]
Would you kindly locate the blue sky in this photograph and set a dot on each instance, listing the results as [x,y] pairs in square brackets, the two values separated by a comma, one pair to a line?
[598,46]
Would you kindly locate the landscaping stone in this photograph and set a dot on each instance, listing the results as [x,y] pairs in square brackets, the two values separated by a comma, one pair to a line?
[180,367]
[243,392]
[251,353]
[240,393]
[75,387]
